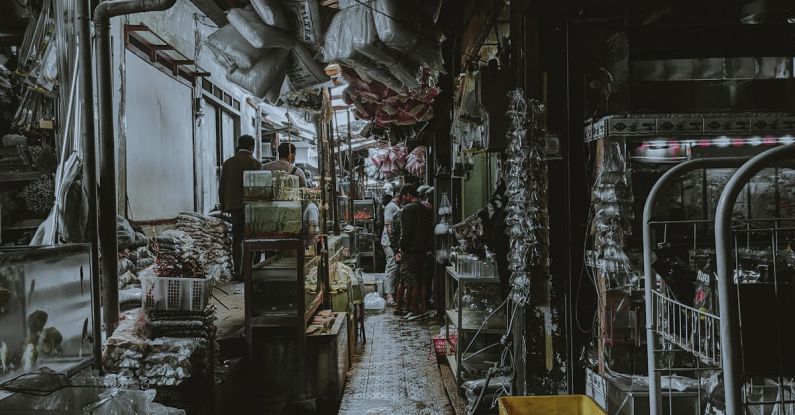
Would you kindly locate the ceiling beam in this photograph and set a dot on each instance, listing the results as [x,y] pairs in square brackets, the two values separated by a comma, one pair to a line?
[212,10]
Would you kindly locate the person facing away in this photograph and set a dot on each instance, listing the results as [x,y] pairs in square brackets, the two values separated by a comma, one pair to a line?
[231,191]
[391,209]
[285,163]
[415,243]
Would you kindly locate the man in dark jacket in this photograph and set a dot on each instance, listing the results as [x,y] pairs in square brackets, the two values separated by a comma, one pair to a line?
[231,191]
[415,243]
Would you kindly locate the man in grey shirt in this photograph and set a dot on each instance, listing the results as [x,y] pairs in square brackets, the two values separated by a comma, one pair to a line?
[390,212]
[285,163]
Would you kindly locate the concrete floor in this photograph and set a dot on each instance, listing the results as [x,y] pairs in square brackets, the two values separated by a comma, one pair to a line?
[395,372]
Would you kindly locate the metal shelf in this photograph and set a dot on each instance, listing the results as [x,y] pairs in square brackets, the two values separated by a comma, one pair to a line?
[471,280]
[468,325]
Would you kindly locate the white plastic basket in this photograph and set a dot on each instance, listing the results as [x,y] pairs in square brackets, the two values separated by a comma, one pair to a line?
[181,294]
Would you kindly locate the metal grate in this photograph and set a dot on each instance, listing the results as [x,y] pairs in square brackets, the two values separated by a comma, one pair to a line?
[173,295]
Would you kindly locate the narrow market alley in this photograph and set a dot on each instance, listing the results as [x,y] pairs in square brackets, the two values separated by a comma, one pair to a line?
[396,372]
[397,207]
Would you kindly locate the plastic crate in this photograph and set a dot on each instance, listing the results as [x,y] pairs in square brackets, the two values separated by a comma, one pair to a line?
[440,345]
[549,405]
[180,294]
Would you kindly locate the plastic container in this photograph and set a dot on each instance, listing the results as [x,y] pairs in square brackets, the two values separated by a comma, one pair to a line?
[549,405]
[181,294]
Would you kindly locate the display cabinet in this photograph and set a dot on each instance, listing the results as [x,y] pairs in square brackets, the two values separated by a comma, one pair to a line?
[284,292]
[46,314]
[364,213]
[475,320]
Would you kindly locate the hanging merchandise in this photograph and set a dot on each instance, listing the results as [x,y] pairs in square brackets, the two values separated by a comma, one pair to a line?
[471,122]
[415,164]
[612,204]
[303,70]
[306,15]
[386,162]
[258,34]
[526,187]
[273,14]
[388,57]
[232,50]
[269,71]
[443,229]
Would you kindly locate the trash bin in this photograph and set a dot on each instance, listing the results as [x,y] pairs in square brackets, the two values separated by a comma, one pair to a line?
[549,405]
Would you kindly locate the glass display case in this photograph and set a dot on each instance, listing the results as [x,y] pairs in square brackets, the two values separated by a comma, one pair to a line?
[364,214]
[45,309]
[273,285]
[474,320]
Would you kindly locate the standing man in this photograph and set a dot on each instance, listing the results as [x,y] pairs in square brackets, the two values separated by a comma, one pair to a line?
[231,191]
[390,211]
[285,163]
[415,243]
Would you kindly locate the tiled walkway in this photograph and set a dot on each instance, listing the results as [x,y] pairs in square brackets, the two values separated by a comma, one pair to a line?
[395,373]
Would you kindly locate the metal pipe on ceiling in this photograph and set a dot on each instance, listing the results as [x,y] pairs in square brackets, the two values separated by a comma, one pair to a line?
[107,202]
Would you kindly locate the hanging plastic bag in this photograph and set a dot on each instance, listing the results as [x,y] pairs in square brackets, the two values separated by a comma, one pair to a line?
[374,301]
[258,34]
[232,49]
[259,79]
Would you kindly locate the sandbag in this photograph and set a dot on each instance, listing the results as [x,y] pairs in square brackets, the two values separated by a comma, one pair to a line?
[273,14]
[232,49]
[303,70]
[307,20]
[258,34]
[266,73]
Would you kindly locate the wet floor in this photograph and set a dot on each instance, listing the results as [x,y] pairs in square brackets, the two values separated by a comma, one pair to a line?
[395,372]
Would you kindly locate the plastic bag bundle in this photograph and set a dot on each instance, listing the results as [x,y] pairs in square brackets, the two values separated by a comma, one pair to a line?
[612,204]
[258,34]
[268,71]
[415,164]
[374,301]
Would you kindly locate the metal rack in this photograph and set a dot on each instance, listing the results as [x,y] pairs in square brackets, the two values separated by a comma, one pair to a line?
[467,327]
[666,317]
[738,372]
[714,339]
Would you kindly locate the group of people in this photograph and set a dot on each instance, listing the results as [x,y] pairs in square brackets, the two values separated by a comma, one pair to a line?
[407,240]
[230,190]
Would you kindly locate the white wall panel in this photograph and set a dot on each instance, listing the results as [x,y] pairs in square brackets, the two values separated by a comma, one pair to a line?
[159,142]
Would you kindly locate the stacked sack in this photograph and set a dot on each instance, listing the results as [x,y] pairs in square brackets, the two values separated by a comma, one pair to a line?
[182,345]
[177,255]
[390,55]
[267,41]
[123,352]
[213,238]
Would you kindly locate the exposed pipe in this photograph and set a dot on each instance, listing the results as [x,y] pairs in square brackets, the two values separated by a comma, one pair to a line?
[655,392]
[107,236]
[90,167]
[727,304]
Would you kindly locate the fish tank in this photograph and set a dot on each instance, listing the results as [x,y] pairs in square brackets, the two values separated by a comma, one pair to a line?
[45,309]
